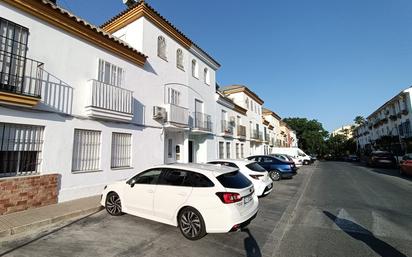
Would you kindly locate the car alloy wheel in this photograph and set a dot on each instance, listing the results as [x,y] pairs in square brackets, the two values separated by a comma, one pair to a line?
[191,224]
[113,204]
[274,175]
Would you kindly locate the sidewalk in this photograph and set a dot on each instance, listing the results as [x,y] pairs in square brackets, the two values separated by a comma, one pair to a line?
[19,222]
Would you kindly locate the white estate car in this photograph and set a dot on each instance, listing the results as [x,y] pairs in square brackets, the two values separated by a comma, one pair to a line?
[198,198]
[257,174]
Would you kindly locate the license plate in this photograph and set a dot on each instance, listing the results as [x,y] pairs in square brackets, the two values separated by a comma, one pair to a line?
[384,161]
[248,199]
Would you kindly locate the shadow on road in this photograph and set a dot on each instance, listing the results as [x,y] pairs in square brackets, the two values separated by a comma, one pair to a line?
[360,233]
[394,172]
[251,246]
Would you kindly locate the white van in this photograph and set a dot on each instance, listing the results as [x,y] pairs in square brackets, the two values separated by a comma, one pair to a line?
[294,152]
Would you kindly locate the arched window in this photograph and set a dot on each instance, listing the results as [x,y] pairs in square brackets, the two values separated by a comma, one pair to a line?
[195,72]
[179,58]
[161,47]
[206,76]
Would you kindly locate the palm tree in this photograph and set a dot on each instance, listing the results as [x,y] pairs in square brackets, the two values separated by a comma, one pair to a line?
[359,120]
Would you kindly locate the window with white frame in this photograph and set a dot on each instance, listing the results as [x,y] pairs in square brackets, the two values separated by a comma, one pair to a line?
[173,96]
[179,59]
[221,150]
[227,150]
[170,148]
[237,151]
[121,150]
[110,74]
[161,47]
[195,71]
[242,151]
[86,150]
[206,75]
[20,149]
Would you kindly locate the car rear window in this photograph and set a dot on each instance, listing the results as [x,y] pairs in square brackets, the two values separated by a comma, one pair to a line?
[255,167]
[233,179]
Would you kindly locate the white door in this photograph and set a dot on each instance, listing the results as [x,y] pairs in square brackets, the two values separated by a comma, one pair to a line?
[171,193]
[139,194]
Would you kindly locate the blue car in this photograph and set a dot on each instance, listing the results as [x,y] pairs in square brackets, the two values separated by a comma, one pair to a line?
[276,167]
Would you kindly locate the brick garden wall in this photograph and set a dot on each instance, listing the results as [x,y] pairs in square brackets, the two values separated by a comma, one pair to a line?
[22,193]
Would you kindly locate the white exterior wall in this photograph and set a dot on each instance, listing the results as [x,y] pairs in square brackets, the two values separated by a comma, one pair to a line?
[74,62]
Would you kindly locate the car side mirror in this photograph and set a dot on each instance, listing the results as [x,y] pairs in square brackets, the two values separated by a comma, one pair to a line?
[132,182]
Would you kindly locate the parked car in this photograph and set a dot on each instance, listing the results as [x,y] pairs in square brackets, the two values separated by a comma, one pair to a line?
[298,162]
[382,159]
[276,167]
[352,158]
[197,198]
[252,170]
[405,166]
[295,152]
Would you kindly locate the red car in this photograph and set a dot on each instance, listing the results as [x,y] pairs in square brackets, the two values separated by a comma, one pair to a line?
[406,165]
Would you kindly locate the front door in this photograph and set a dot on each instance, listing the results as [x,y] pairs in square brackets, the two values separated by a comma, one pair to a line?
[190,151]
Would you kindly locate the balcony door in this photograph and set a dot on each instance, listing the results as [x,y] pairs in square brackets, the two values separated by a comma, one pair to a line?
[198,113]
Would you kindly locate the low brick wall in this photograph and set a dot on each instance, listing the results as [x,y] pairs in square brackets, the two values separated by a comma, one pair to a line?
[22,193]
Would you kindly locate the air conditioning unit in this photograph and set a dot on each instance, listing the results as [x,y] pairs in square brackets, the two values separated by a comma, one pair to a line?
[159,113]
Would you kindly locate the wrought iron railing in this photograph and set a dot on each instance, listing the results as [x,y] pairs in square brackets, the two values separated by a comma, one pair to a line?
[111,97]
[202,121]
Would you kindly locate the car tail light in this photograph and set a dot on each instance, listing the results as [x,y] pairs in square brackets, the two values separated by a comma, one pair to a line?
[226,197]
[256,176]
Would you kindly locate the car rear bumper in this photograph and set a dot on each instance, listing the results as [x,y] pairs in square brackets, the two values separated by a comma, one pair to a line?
[263,187]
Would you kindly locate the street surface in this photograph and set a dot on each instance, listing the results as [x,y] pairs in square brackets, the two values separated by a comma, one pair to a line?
[328,209]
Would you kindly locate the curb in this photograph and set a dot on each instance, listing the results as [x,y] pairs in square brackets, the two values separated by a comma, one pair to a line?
[49,221]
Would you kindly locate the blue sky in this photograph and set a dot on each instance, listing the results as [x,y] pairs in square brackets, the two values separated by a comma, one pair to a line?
[329,60]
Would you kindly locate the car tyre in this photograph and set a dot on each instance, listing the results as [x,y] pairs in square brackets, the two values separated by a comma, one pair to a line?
[113,204]
[191,223]
[274,175]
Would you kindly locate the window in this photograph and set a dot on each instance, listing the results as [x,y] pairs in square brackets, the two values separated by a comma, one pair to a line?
[234,180]
[221,150]
[242,151]
[121,150]
[172,177]
[173,96]
[227,150]
[161,47]
[86,150]
[247,102]
[255,167]
[149,177]
[407,128]
[20,149]
[13,48]
[195,72]
[110,74]
[237,151]
[206,75]
[179,59]
[198,180]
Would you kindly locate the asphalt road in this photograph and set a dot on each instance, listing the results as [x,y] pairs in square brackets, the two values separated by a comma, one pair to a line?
[328,209]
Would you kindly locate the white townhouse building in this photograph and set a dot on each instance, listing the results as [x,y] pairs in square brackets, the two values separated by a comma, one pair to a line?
[183,94]
[230,129]
[388,127]
[247,99]
[274,127]
[82,106]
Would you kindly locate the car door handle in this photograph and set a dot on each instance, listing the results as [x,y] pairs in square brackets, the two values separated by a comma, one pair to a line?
[182,194]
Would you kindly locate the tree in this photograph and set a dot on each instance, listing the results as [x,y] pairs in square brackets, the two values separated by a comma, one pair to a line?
[310,133]
[359,120]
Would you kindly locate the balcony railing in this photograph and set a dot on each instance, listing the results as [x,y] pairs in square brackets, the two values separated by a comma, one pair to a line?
[266,138]
[241,131]
[226,127]
[108,101]
[202,121]
[21,76]
[256,135]
[177,114]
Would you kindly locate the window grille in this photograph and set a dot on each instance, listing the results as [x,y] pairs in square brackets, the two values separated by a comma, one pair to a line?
[86,150]
[20,149]
[121,150]
[227,150]
[242,151]
[237,151]
[110,74]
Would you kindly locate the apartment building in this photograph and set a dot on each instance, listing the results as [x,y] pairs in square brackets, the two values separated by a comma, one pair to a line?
[388,127]
[346,131]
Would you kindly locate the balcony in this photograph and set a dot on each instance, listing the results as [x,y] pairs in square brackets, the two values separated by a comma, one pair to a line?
[20,80]
[256,135]
[226,128]
[201,123]
[109,102]
[241,132]
[177,116]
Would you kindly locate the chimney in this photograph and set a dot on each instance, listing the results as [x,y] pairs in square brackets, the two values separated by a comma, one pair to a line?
[129,3]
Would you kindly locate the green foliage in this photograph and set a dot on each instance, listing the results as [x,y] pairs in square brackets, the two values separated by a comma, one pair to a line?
[359,120]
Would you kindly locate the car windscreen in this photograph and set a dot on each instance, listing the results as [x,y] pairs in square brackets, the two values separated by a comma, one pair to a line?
[234,179]
[255,167]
